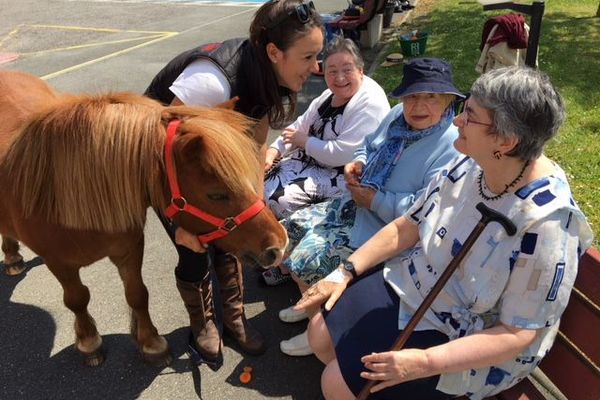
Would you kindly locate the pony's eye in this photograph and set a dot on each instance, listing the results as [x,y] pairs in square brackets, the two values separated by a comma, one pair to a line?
[218,196]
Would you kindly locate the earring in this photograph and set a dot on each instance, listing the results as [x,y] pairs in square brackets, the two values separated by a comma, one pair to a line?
[497,155]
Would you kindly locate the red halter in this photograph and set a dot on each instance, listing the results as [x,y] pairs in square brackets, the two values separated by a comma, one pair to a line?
[179,203]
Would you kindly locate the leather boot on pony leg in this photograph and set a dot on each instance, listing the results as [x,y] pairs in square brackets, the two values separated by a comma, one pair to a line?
[205,339]
[235,325]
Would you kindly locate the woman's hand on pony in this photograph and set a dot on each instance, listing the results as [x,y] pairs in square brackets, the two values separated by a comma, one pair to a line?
[189,240]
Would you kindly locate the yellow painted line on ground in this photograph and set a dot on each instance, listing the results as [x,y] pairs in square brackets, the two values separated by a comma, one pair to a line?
[167,35]
[82,46]
[82,28]
[216,20]
[106,57]
[11,33]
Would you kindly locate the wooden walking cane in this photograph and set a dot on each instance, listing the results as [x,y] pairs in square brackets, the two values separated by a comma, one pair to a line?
[487,215]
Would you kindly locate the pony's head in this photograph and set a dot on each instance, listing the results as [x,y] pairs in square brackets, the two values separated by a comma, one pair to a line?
[219,172]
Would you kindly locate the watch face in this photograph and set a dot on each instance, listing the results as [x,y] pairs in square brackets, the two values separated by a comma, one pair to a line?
[348,266]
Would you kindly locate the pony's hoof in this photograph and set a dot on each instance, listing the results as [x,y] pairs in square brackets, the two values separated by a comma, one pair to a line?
[15,268]
[93,358]
[159,360]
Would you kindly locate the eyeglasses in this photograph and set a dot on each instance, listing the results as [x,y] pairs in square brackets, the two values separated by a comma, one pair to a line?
[470,121]
[462,107]
[303,12]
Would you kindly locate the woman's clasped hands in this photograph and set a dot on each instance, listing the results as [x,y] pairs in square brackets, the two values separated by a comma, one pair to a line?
[294,137]
[352,172]
[362,195]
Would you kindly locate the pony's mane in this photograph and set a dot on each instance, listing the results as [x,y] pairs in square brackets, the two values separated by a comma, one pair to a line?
[229,152]
[89,162]
[96,162]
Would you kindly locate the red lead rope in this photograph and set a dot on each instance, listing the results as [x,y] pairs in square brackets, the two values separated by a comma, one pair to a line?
[179,203]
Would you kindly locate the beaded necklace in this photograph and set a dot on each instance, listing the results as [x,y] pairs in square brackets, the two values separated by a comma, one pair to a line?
[513,183]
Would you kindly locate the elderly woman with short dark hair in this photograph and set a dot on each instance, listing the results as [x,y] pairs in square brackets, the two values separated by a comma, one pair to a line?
[498,315]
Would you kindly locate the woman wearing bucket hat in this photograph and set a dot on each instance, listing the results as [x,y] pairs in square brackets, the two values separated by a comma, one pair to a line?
[498,314]
[393,167]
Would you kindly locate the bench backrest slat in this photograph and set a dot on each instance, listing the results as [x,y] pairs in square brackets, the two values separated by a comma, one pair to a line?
[572,364]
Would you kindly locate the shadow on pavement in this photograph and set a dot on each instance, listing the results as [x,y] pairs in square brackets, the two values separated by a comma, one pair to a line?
[28,370]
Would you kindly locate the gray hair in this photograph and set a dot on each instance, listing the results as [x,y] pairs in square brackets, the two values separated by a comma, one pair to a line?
[524,104]
[340,44]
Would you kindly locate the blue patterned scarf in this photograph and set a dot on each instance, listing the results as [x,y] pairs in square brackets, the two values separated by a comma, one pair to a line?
[381,161]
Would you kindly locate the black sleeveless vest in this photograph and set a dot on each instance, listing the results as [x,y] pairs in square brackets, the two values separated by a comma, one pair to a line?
[231,56]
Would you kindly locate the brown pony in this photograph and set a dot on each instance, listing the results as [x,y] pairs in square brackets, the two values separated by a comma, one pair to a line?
[78,173]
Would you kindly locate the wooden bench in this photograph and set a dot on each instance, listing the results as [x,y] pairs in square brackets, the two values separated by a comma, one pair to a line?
[573,364]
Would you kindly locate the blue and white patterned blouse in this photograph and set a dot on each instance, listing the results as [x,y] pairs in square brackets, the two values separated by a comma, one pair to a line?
[523,281]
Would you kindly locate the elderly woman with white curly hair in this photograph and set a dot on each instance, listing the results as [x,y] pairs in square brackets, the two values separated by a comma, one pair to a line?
[498,315]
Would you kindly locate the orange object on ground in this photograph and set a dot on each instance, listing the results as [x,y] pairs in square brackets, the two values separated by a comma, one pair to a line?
[246,376]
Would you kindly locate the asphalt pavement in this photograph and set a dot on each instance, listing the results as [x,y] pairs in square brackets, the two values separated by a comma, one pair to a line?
[96,47]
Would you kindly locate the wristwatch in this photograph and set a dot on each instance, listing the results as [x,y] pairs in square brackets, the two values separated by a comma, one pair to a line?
[349,266]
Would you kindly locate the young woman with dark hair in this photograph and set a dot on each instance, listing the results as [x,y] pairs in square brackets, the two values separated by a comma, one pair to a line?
[264,72]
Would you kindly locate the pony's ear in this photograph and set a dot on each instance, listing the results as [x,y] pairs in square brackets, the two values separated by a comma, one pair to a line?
[192,146]
[171,113]
[229,104]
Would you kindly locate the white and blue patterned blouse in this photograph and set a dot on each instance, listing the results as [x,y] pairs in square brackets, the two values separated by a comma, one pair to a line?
[523,280]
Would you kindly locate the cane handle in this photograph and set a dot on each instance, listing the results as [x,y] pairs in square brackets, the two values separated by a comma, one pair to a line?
[488,215]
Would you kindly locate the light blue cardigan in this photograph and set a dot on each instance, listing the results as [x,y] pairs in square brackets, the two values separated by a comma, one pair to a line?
[419,162]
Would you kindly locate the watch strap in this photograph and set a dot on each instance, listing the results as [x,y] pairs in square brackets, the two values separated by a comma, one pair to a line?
[349,266]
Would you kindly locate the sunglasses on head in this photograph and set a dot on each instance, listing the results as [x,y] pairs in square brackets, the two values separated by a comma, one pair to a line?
[303,12]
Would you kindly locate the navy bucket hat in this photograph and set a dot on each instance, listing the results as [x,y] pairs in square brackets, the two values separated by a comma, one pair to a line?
[426,75]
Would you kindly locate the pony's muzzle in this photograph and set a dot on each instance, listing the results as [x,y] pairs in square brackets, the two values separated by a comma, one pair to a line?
[272,256]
